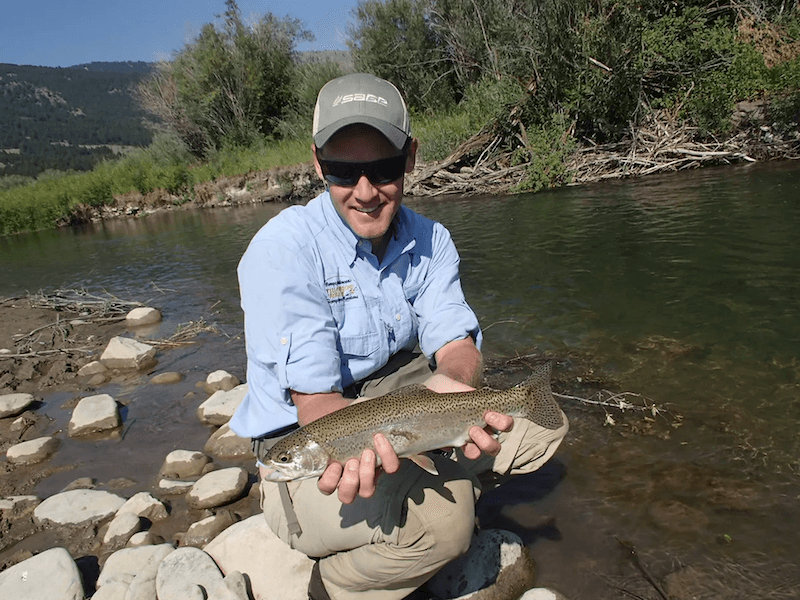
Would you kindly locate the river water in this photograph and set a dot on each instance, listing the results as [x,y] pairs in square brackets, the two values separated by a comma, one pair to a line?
[683,289]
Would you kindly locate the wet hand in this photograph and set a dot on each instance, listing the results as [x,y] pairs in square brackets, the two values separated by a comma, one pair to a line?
[483,439]
[358,476]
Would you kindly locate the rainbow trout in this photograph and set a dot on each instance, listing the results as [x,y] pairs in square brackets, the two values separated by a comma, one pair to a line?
[414,420]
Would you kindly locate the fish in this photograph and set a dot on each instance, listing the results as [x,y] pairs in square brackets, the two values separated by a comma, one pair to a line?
[413,418]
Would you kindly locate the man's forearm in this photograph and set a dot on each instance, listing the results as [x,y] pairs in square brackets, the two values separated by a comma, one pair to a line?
[311,407]
[460,360]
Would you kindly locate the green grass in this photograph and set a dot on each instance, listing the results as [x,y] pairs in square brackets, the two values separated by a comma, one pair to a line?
[165,164]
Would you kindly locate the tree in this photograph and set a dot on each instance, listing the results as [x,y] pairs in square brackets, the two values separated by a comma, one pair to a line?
[230,85]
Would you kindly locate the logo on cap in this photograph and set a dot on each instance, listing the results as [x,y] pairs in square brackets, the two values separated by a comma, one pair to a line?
[360,97]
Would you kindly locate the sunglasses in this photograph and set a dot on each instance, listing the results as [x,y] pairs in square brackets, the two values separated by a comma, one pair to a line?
[347,174]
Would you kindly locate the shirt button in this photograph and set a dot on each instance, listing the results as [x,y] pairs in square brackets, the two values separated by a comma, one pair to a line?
[283,341]
[398,316]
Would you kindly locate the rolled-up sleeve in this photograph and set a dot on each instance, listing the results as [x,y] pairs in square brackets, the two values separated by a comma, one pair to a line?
[443,312]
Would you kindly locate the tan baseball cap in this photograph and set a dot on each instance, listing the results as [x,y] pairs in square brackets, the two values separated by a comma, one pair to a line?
[361,98]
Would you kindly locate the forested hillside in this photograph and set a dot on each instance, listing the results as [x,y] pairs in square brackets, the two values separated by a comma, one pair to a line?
[54,118]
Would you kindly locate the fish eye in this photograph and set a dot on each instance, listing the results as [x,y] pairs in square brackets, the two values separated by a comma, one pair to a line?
[284,457]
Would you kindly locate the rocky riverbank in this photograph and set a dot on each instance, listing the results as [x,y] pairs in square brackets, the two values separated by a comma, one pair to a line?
[196,532]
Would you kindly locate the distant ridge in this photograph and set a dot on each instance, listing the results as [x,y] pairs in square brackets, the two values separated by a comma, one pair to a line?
[117,67]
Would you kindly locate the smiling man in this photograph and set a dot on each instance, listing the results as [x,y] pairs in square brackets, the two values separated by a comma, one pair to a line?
[350,297]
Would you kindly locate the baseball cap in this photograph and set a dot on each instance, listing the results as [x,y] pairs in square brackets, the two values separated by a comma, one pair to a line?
[361,98]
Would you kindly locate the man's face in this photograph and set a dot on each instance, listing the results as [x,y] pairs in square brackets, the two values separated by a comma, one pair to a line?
[366,207]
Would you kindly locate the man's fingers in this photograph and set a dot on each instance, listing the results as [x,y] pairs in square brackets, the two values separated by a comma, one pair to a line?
[350,481]
[366,472]
[389,460]
[484,441]
[329,480]
[498,421]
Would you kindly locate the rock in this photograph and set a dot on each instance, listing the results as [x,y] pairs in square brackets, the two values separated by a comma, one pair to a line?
[116,590]
[248,546]
[124,565]
[50,575]
[121,528]
[94,414]
[144,538]
[93,368]
[126,353]
[182,464]
[221,380]
[167,378]
[144,315]
[78,507]
[16,506]
[145,505]
[32,451]
[224,443]
[496,567]
[218,488]
[183,569]
[205,530]
[81,483]
[232,587]
[534,594]
[219,408]
[175,486]
[13,404]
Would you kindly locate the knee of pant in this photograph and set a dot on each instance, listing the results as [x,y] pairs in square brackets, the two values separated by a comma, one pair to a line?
[448,526]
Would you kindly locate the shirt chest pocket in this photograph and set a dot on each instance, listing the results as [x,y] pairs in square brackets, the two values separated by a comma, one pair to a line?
[358,335]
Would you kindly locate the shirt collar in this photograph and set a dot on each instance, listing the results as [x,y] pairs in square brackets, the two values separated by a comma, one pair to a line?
[401,241]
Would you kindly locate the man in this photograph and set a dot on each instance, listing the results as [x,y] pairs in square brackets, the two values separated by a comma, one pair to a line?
[349,297]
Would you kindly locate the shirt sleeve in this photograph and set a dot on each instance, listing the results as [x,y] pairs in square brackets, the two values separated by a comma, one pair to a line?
[443,312]
[289,330]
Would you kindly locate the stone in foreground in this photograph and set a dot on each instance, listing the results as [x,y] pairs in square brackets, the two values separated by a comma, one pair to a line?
[78,507]
[94,414]
[145,505]
[51,575]
[127,353]
[224,443]
[205,530]
[221,380]
[251,548]
[32,451]
[13,404]
[496,567]
[144,315]
[182,464]
[218,488]
[183,569]
[220,406]
[121,529]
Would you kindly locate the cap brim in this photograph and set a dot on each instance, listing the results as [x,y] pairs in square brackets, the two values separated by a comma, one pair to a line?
[396,137]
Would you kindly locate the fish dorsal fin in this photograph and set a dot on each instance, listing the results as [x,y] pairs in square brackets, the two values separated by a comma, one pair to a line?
[541,407]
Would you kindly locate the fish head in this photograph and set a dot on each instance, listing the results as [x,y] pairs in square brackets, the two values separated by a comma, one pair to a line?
[288,462]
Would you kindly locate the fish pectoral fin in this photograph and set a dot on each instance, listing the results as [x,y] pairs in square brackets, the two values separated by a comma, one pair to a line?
[424,462]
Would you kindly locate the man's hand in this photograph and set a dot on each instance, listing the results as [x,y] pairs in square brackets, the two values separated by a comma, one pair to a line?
[482,438]
[357,476]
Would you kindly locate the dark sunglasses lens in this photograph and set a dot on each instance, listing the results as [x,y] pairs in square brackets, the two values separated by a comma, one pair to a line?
[378,172]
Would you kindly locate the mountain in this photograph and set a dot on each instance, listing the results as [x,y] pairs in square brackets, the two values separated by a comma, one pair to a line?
[140,67]
[67,118]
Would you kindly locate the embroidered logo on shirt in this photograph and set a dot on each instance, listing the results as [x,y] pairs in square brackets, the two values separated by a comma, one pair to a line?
[341,289]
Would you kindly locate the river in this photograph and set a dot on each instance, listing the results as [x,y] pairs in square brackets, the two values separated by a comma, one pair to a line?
[682,289]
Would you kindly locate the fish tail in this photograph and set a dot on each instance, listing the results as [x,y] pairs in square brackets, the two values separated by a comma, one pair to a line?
[540,405]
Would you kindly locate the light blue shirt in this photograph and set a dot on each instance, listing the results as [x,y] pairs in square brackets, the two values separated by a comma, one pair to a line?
[320,312]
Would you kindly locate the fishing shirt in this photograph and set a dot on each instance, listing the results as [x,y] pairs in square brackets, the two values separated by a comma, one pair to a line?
[321,313]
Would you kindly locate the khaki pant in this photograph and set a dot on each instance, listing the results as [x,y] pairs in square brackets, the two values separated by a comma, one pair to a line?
[386,546]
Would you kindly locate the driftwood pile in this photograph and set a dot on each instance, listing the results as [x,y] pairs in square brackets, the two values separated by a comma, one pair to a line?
[489,162]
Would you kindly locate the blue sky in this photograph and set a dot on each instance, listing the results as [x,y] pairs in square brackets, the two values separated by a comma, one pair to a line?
[61,33]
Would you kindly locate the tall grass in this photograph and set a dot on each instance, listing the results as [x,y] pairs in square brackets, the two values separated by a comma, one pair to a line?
[165,164]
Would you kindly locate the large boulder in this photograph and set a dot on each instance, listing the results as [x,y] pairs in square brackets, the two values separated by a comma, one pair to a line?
[182,464]
[50,575]
[221,405]
[251,548]
[218,487]
[143,315]
[183,570]
[224,443]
